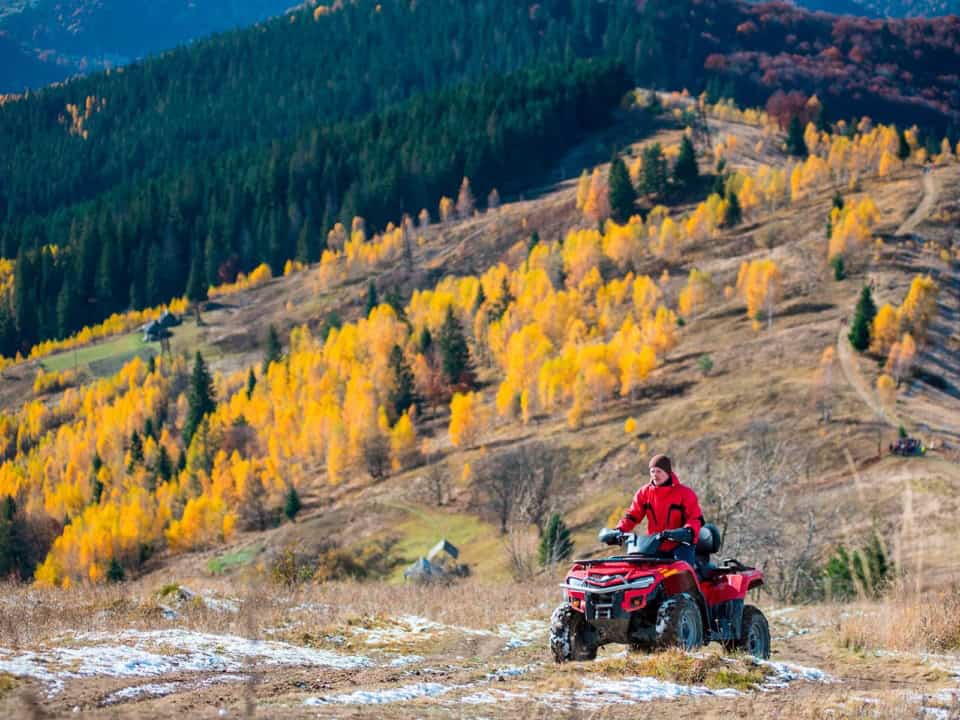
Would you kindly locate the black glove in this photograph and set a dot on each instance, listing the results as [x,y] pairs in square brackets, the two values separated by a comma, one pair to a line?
[610,537]
[681,535]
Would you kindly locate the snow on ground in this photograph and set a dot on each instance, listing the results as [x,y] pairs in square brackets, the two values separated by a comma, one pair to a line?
[380,697]
[413,628]
[596,692]
[159,652]
[786,673]
[135,692]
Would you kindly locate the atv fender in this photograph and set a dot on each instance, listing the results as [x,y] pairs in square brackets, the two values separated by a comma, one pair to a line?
[677,581]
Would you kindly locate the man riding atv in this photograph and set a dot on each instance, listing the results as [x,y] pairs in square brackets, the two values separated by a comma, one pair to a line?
[664,590]
[669,507]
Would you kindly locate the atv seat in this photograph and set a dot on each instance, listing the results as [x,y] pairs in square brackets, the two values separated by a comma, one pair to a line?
[708,542]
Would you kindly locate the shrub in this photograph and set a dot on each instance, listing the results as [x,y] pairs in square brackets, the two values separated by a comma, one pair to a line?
[705,363]
[863,572]
[555,545]
[839,271]
[292,504]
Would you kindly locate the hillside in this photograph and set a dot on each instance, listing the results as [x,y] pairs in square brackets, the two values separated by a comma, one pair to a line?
[139,158]
[54,40]
[807,438]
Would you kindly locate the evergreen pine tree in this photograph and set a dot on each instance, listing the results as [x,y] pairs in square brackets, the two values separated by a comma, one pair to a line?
[372,299]
[621,193]
[534,241]
[454,351]
[481,298]
[164,464]
[96,492]
[796,145]
[863,320]
[503,302]
[903,147]
[196,286]
[136,451]
[425,341]
[292,504]
[555,544]
[305,253]
[9,560]
[403,394]
[653,176]
[115,572]
[251,383]
[686,173]
[732,215]
[201,400]
[273,351]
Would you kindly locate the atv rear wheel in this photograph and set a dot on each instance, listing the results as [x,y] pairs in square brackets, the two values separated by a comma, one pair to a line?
[754,634]
[568,639]
[679,623]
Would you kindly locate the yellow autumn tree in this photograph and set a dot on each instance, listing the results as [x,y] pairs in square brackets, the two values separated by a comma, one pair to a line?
[695,295]
[885,330]
[760,285]
[919,307]
[469,418]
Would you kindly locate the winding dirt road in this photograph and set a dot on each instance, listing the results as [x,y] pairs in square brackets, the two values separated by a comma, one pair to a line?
[848,363]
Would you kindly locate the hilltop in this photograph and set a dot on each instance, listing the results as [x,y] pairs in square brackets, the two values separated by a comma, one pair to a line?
[52,41]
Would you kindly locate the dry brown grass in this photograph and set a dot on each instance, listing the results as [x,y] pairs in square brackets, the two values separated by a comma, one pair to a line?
[31,616]
[904,621]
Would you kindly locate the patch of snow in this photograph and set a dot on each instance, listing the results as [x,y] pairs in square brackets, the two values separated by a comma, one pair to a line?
[402,660]
[641,689]
[945,703]
[785,673]
[486,697]
[148,654]
[208,651]
[160,689]
[510,671]
[407,628]
[148,690]
[381,697]
[401,629]
[229,605]
[522,633]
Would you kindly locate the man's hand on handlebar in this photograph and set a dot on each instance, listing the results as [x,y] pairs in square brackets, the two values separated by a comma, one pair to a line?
[680,535]
[610,537]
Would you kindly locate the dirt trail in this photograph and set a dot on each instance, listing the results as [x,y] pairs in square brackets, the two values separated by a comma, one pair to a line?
[848,363]
[923,209]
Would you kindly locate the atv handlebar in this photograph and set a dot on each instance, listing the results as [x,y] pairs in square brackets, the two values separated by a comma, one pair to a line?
[609,536]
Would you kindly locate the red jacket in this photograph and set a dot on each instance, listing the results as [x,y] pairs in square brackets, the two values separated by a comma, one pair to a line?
[666,507]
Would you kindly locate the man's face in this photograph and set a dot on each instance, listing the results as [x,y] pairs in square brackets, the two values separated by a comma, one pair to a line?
[658,476]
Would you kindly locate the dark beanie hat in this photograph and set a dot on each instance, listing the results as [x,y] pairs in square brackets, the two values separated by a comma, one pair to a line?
[662,462]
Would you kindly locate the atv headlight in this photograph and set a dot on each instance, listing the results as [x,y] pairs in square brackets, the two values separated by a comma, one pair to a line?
[643,582]
[575,582]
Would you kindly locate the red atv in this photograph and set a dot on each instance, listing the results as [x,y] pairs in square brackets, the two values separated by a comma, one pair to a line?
[649,600]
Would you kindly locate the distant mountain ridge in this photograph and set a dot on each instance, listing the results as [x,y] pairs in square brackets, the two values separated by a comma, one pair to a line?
[884,8]
[43,41]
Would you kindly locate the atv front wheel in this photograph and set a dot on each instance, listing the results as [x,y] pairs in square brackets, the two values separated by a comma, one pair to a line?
[568,639]
[679,623]
[754,634]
